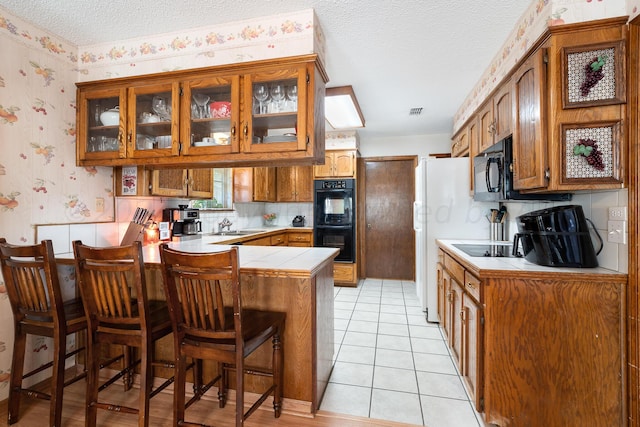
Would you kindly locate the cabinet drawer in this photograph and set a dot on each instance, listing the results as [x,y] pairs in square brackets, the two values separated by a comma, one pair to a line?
[472,285]
[455,270]
[262,241]
[278,239]
[344,273]
[299,239]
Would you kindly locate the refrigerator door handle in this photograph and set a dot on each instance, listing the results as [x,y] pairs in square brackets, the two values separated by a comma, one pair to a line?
[417,208]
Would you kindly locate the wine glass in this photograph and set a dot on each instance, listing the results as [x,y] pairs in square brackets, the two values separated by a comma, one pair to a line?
[159,106]
[292,94]
[261,93]
[201,101]
[277,95]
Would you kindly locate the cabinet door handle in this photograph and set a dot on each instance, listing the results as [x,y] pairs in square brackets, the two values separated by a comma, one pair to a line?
[246,130]
[471,285]
[233,130]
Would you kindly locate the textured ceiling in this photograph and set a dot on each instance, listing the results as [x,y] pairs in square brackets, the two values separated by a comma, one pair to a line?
[397,54]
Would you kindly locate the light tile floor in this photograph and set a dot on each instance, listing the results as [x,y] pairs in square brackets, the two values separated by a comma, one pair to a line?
[390,363]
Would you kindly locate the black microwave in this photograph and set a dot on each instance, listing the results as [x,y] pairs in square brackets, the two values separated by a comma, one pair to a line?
[493,177]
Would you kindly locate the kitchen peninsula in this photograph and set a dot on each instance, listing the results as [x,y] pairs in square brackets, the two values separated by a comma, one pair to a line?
[294,280]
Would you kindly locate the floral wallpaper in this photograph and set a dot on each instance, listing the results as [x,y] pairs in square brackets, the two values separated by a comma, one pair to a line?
[540,15]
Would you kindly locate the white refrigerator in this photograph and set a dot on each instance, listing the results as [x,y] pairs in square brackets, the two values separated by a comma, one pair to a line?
[443,209]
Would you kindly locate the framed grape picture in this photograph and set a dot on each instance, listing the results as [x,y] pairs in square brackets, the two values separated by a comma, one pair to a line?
[591,153]
[593,75]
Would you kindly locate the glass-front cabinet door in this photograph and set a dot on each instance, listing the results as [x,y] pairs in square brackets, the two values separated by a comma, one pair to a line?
[101,124]
[210,116]
[152,120]
[275,107]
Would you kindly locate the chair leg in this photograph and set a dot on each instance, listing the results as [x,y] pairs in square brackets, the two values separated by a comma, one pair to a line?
[277,374]
[17,370]
[179,389]
[127,360]
[239,391]
[146,383]
[93,371]
[223,384]
[57,380]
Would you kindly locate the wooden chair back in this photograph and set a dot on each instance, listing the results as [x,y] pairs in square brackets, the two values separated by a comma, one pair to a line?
[111,282]
[31,279]
[193,286]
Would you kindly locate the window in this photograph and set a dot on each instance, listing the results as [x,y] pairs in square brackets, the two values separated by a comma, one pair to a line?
[222,191]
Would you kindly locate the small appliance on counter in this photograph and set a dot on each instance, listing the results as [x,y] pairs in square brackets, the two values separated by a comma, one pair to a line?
[557,237]
[298,221]
[182,221]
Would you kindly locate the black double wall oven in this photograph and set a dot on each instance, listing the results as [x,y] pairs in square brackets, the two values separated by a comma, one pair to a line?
[335,216]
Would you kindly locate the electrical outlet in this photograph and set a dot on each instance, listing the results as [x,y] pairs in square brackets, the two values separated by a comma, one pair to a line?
[99,204]
[617,231]
[618,213]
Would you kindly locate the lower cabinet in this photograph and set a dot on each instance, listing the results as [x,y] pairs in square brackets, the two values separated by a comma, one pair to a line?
[344,274]
[300,239]
[537,348]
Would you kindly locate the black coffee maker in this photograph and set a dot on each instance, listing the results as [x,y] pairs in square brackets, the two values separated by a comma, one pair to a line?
[182,221]
[557,237]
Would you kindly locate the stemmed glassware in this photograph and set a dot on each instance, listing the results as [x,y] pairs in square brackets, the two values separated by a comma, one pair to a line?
[277,95]
[292,94]
[261,94]
[201,101]
[159,106]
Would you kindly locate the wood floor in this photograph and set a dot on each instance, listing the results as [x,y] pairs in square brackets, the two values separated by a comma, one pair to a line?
[34,412]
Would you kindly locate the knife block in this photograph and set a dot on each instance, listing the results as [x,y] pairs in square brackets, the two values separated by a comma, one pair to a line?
[134,233]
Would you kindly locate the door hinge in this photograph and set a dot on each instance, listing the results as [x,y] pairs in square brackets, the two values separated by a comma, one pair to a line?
[547,174]
[481,408]
[181,90]
[545,57]
[482,320]
[308,78]
[179,147]
[308,140]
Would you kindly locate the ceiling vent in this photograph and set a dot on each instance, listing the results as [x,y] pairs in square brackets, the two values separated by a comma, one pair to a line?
[415,111]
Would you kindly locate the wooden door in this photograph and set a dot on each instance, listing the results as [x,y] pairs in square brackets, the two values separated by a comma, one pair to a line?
[344,163]
[487,127]
[387,218]
[169,182]
[471,368]
[264,184]
[304,184]
[201,183]
[503,112]
[286,184]
[529,141]
[326,170]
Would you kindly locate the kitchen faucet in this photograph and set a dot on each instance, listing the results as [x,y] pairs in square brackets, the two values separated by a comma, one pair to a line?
[225,223]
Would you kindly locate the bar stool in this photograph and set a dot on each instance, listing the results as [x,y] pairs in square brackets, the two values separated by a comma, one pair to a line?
[204,327]
[112,285]
[31,278]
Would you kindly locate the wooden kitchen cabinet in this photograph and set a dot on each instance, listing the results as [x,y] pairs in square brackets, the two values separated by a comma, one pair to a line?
[254,184]
[206,116]
[337,164]
[530,166]
[496,117]
[460,146]
[195,183]
[300,238]
[345,274]
[527,335]
[294,184]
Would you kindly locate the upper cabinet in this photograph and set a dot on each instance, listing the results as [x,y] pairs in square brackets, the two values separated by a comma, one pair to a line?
[565,105]
[529,141]
[239,114]
[337,164]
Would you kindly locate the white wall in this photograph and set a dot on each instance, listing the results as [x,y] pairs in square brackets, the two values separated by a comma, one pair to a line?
[421,145]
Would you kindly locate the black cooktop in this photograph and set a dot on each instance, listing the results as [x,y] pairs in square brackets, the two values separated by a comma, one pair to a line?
[486,250]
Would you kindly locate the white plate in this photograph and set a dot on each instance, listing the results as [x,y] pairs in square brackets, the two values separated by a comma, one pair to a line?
[203,144]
